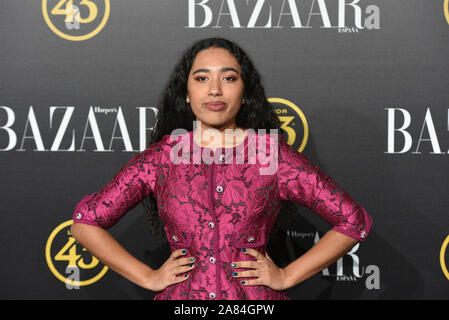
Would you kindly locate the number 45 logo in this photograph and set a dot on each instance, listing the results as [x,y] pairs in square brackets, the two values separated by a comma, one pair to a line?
[61,253]
[66,18]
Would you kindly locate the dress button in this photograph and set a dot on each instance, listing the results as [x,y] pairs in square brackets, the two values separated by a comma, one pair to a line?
[222,158]
[175,238]
[78,215]
[211,225]
[363,234]
[212,295]
[251,239]
[212,260]
[219,189]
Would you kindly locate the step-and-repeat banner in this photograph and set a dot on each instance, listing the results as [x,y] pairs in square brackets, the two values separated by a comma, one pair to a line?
[361,87]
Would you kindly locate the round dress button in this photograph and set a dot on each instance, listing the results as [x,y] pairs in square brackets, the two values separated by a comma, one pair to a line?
[212,260]
[78,215]
[363,234]
[211,224]
[219,189]
[222,158]
[212,295]
[175,238]
[251,239]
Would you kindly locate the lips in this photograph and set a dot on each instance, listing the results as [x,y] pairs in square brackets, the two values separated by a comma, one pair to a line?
[216,105]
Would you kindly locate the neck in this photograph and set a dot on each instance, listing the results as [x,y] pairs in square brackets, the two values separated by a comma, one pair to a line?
[217,136]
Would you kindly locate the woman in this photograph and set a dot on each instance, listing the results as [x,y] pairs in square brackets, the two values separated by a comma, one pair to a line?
[218,215]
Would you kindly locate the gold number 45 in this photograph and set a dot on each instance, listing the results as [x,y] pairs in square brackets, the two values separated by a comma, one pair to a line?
[70,12]
[68,253]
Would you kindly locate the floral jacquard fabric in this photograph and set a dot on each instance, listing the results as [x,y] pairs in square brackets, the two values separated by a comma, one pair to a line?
[216,206]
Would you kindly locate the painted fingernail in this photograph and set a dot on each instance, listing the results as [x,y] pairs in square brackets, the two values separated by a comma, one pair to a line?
[233,265]
[186,275]
[243,250]
[184,251]
[234,274]
[191,265]
[243,281]
[192,259]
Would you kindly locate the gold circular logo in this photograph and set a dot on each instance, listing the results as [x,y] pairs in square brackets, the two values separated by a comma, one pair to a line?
[75,22]
[63,252]
[446,10]
[442,258]
[291,118]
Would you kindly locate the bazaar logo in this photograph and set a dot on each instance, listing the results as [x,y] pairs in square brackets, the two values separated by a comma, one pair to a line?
[68,261]
[294,13]
[293,120]
[370,272]
[97,119]
[442,257]
[399,132]
[76,22]
[446,10]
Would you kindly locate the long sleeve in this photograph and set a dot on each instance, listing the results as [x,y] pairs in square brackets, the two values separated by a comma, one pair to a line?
[135,180]
[302,182]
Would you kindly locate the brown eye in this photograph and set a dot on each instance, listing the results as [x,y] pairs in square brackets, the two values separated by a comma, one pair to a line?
[200,77]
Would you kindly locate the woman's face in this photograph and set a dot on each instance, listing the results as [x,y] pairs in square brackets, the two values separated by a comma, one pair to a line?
[215,76]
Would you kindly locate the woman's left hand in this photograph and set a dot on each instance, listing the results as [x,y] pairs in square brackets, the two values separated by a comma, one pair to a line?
[264,270]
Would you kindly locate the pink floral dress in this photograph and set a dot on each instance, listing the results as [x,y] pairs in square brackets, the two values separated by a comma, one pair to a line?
[215,209]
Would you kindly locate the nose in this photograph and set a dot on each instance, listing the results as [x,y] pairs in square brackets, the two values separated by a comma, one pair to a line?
[215,87]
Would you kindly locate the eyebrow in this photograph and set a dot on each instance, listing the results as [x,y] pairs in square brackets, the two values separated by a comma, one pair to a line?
[222,70]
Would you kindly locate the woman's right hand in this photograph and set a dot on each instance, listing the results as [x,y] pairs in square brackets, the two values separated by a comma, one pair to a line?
[167,274]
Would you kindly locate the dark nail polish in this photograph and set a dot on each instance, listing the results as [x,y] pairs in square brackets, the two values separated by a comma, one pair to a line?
[243,281]
[192,259]
[186,275]
[233,265]
[234,274]
[243,250]
[184,251]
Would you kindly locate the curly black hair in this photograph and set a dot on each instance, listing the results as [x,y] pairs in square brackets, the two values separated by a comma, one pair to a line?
[175,113]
